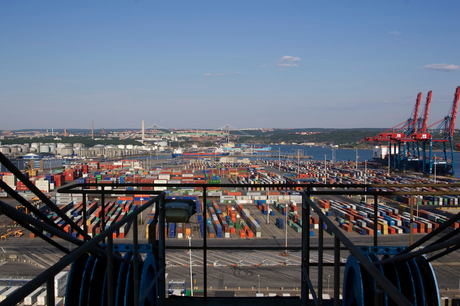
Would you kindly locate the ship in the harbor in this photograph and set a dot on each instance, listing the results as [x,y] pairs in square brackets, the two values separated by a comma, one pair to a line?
[245,149]
[255,148]
[207,152]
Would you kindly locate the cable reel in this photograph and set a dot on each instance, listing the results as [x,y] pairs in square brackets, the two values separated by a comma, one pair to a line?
[87,283]
[414,278]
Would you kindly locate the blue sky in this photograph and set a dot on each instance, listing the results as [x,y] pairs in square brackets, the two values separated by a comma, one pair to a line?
[206,64]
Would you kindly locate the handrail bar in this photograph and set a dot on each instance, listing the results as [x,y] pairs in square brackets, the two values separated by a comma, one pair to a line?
[361,188]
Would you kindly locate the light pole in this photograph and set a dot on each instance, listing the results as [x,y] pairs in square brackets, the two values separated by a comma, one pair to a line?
[279,159]
[285,227]
[259,282]
[357,158]
[389,157]
[298,163]
[268,215]
[325,167]
[191,275]
[365,179]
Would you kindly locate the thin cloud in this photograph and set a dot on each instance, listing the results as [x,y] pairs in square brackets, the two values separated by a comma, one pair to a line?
[442,67]
[287,65]
[288,61]
[394,33]
[213,74]
[288,58]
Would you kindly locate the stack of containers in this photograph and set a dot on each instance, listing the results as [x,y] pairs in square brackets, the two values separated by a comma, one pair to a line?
[160,181]
[7,292]
[172,230]
[221,220]
[180,230]
[279,223]
[43,185]
[200,221]
[93,165]
[10,180]
[31,299]
[60,283]
[389,222]
[125,228]
[21,187]
[140,199]
[188,230]
[41,298]
[251,224]
[70,175]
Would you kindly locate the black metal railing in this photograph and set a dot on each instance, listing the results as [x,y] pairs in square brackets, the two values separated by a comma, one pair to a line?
[341,242]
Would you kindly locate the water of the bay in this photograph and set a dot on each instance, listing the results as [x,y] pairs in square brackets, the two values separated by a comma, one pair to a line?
[321,153]
[337,155]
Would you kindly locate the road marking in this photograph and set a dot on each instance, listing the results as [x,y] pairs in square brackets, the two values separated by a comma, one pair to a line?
[3,250]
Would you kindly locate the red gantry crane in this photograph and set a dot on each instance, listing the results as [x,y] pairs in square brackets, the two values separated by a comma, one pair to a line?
[411,137]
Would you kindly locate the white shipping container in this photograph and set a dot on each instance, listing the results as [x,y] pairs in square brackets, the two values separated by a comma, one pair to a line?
[32,298]
[6,293]
[260,197]
[60,279]
[3,289]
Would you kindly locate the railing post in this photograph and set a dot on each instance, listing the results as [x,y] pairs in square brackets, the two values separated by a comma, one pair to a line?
[336,271]
[135,263]
[85,228]
[306,256]
[103,208]
[411,227]
[375,219]
[305,246]
[110,276]
[320,262]
[205,248]
[161,251]
[50,291]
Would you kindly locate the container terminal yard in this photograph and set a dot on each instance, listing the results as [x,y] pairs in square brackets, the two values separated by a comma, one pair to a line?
[250,215]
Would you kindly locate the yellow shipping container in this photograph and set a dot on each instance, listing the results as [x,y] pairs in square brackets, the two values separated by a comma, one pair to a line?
[88,221]
[384,228]
[402,208]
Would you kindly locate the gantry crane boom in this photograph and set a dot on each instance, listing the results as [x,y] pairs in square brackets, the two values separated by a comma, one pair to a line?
[453,114]
[426,112]
[421,134]
[416,109]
